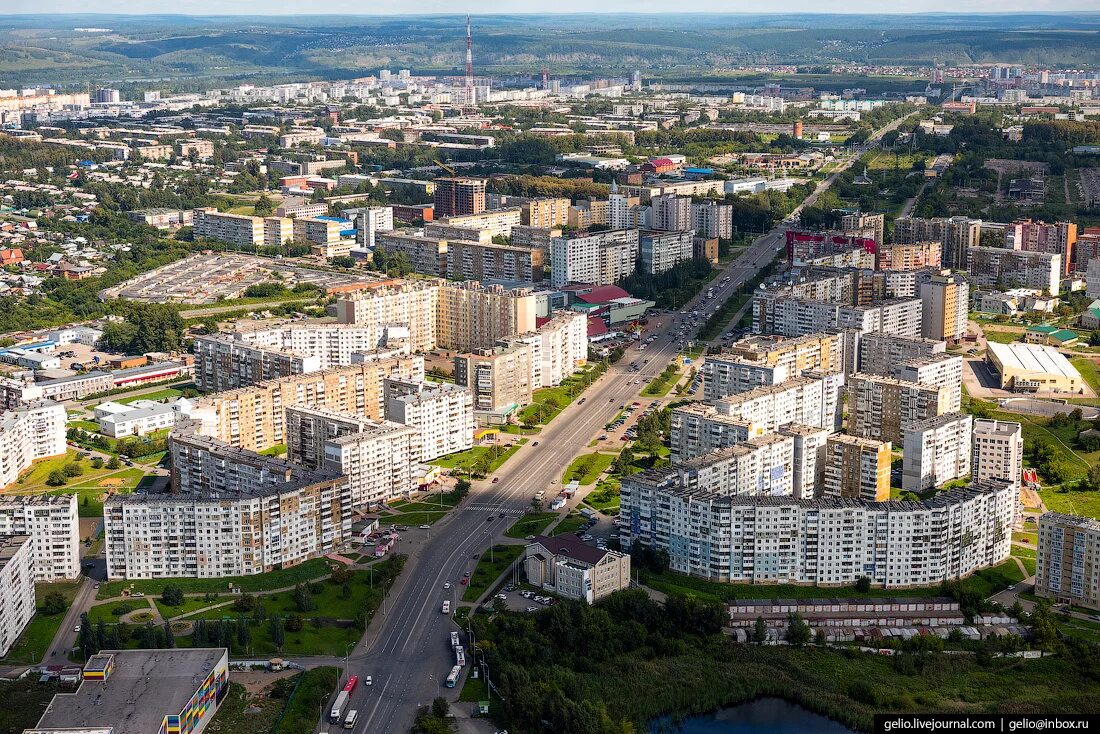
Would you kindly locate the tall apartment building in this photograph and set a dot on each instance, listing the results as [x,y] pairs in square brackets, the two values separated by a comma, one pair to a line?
[535,238]
[883,407]
[442,415]
[797,317]
[499,379]
[909,256]
[1058,238]
[880,353]
[945,306]
[943,371]
[558,348]
[585,213]
[1067,567]
[998,451]
[548,212]
[489,261]
[599,258]
[17,605]
[724,375]
[369,222]
[32,431]
[958,235]
[459,196]
[861,221]
[857,468]
[53,525]
[698,429]
[809,444]
[996,267]
[711,219]
[253,418]
[278,231]
[936,451]
[236,229]
[819,351]
[761,466]
[437,314]
[427,255]
[496,222]
[828,541]
[375,457]
[661,251]
[222,362]
[320,230]
[671,212]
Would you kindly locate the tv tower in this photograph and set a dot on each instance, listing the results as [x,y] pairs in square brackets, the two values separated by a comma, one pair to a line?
[469,55]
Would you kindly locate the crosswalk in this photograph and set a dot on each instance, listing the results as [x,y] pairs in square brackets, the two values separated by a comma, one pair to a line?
[496,509]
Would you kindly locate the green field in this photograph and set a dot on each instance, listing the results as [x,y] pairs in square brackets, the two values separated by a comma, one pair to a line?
[165,394]
[480,460]
[106,612]
[261,582]
[587,468]
[190,604]
[489,567]
[39,633]
[605,497]
[1071,502]
[531,524]
[1089,371]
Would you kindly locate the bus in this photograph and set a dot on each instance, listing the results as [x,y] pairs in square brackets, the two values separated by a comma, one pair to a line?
[454,640]
[460,657]
[350,685]
[452,678]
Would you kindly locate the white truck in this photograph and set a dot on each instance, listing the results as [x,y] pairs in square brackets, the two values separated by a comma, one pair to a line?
[338,706]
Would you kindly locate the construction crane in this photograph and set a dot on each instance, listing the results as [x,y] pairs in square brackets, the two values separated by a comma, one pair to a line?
[446,168]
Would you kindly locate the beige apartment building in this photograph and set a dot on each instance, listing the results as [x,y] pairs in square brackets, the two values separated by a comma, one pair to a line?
[858,468]
[549,213]
[883,408]
[1067,567]
[236,229]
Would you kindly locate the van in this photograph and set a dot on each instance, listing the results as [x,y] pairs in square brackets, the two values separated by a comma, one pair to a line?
[349,722]
[447,606]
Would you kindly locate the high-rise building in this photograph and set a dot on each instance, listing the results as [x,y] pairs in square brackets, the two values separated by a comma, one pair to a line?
[883,408]
[941,370]
[861,221]
[958,235]
[457,196]
[856,468]
[442,414]
[35,430]
[998,451]
[547,212]
[499,378]
[17,605]
[880,353]
[936,451]
[599,258]
[999,268]
[671,212]
[663,250]
[1058,238]
[236,229]
[945,304]
[53,525]
[371,220]
[1067,566]
[712,219]
[809,444]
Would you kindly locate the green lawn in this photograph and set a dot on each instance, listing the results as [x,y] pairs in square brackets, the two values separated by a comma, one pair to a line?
[300,713]
[24,701]
[489,567]
[40,631]
[483,460]
[605,497]
[474,690]
[260,582]
[1026,556]
[1071,502]
[571,524]
[1089,371]
[241,711]
[89,426]
[278,449]
[587,468]
[985,582]
[1002,337]
[165,394]
[533,523]
[190,604]
[414,519]
[110,612]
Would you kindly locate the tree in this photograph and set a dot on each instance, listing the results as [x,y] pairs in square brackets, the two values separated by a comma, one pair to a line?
[863,584]
[798,632]
[278,637]
[113,463]
[72,470]
[244,633]
[264,206]
[172,596]
[56,478]
[53,603]
[97,462]
[303,602]
[169,637]
[87,637]
[760,631]
[1044,630]
[294,623]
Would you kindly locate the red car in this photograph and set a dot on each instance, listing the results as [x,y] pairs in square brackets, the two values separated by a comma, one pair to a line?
[463,581]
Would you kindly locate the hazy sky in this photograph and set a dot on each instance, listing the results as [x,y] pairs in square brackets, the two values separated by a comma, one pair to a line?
[389,7]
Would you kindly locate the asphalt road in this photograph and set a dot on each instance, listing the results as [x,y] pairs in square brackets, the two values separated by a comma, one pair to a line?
[406,648]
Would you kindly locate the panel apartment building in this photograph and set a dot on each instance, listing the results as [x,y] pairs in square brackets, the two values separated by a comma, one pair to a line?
[996,267]
[882,408]
[599,258]
[442,415]
[17,604]
[957,235]
[32,431]
[829,541]
[937,451]
[499,380]
[459,196]
[53,524]
[857,468]
[489,261]
[998,451]
[1067,567]
[769,360]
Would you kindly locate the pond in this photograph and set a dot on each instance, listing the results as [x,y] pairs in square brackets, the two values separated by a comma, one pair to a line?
[763,716]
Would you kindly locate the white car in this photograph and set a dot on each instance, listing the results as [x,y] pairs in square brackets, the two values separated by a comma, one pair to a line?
[502,597]
[369,681]
[446,584]
[532,609]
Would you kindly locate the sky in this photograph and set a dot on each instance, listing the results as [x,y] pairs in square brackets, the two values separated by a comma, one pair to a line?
[399,7]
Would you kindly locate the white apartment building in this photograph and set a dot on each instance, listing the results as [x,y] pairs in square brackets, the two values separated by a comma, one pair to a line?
[600,258]
[375,457]
[671,212]
[826,542]
[996,267]
[759,466]
[809,444]
[33,431]
[371,220]
[880,353]
[557,349]
[441,414]
[140,417]
[810,400]
[52,522]
[17,605]
[662,250]
[936,451]
[1067,567]
[998,451]
[712,219]
[797,317]
[725,375]
[942,370]
[236,229]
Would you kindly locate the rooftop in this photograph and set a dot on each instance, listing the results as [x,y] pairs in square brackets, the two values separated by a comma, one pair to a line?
[144,687]
[1033,358]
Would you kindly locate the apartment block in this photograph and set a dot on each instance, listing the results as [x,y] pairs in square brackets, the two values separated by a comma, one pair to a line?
[52,523]
[236,229]
[936,451]
[998,451]
[995,267]
[1058,238]
[535,237]
[459,196]
[442,415]
[827,541]
[662,251]
[558,348]
[880,353]
[861,221]
[763,465]
[474,261]
[711,219]
[375,457]
[943,370]
[857,468]
[253,418]
[499,379]
[819,351]
[797,317]
[958,235]
[910,256]
[17,604]
[497,222]
[724,376]
[427,255]
[697,429]
[35,430]
[1067,567]
[319,230]
[671,212]
[600,258]
[548,213]
[809,444]
[371,220]
[883,408]
[278,231]
[945,307]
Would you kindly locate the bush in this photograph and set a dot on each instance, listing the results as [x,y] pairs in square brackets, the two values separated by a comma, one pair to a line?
[863,692]
[172,596]
[73,470]
[56,479]
[294,623]
[97,462]
[53,603]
